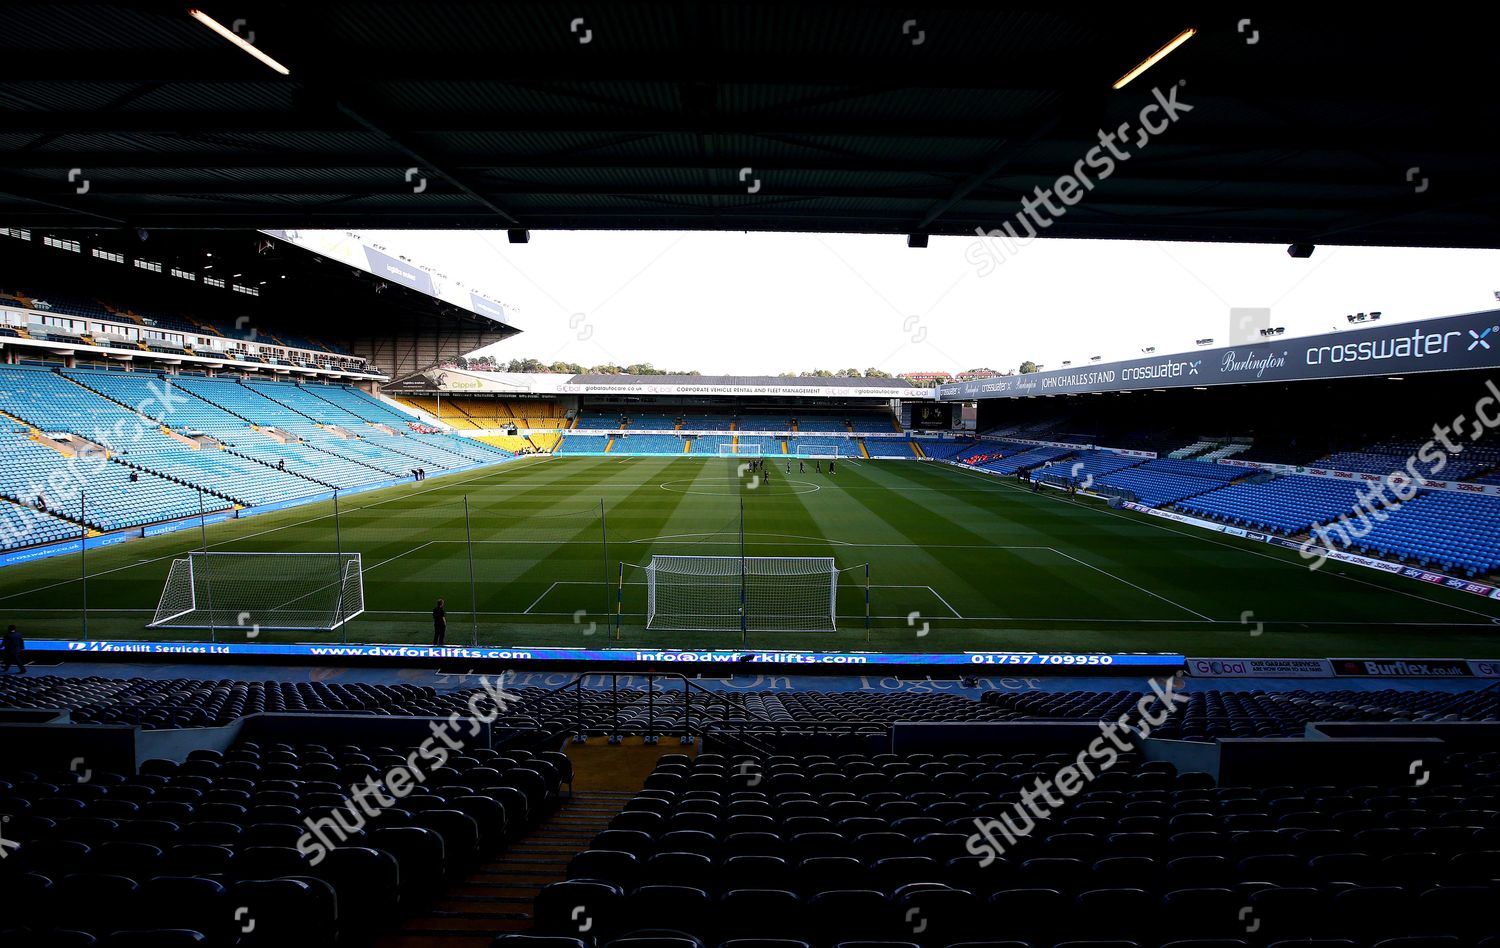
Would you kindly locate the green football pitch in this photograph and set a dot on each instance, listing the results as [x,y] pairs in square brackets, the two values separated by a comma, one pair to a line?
[957,561]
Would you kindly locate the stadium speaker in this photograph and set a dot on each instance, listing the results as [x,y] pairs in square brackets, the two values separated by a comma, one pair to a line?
[1301,250]
[916,241]
[518,235]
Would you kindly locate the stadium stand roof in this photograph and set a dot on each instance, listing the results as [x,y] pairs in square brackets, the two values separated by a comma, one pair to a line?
[1442,344]
[459,381]
[1306,125]
[399,330]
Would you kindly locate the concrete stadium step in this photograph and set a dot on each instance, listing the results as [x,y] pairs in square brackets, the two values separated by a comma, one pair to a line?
[499,891]
[497,897]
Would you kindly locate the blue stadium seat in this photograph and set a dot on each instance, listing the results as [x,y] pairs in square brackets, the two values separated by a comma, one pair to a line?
[230,442]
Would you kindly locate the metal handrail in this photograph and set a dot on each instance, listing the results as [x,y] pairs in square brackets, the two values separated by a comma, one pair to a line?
[687,705]
[814,727]
[847,728]
[689,689]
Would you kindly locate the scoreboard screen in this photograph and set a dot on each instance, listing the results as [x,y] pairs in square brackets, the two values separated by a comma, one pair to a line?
[932,415]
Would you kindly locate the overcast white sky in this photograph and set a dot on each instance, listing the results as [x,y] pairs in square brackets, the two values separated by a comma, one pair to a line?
[753,304]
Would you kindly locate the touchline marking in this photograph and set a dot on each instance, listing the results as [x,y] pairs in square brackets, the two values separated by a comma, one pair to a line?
[375,613]
[507,468]
[1200,535]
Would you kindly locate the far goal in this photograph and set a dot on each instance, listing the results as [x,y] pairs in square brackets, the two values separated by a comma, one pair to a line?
[733,593]
[307,591]
[824,449]
[739,450]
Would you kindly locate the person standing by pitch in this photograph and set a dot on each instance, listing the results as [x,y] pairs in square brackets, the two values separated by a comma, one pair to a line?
[14,649]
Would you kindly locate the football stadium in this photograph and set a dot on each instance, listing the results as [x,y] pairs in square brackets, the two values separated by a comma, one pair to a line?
[366,583]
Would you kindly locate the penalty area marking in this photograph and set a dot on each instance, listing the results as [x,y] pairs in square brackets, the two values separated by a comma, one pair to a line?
[779,536]
[806,488]
[1130,584]
[956,613]
[392,559]
[636,582]
[668,539]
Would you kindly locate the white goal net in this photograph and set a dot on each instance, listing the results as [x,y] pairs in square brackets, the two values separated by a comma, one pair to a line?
[261,591]
[824,449]
[741,450]
[730,593]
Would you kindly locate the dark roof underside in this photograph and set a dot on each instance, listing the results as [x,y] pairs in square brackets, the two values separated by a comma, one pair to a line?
[1330,126]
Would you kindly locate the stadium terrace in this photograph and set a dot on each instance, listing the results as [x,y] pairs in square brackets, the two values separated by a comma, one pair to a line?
[356,593]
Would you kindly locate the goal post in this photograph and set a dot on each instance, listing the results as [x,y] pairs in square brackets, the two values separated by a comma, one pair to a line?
[734,593]
[739,450]
[823,449]
[285,591]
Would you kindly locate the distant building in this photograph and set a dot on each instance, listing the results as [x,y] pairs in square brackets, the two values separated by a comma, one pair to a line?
[973,374]
[926,378]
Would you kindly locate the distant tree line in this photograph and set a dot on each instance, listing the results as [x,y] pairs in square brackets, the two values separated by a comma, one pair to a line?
[490,364]
[840,374]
